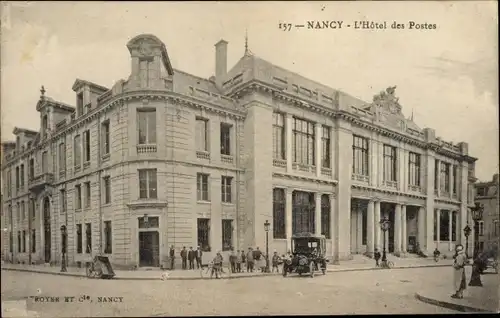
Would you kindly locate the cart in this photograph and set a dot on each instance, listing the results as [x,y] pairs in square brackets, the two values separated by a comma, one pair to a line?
[99,267]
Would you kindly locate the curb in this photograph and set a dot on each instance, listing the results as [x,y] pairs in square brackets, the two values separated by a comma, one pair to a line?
[452,306]
[206,278]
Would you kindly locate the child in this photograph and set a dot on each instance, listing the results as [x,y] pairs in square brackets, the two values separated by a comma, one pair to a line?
[276,261]
[376,255]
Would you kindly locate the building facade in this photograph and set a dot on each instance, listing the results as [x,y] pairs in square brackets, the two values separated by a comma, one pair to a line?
[167,158]
[486,193]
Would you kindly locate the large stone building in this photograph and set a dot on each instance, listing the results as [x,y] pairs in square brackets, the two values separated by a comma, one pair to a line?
[486,193]
[167,158]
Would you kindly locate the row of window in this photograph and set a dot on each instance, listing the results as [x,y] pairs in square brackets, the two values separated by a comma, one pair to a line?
[86,198]
[202,136]
[303,213]
[442,172]
[203,237]
[444,225]
[108,236]
[495,228]
[21,212]
[22,241]
[203,186]
[303,141]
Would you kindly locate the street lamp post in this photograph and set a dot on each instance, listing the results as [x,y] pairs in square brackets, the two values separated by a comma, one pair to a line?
[477,215]
[467,231]
[64,236]
[384,226]
[267,225]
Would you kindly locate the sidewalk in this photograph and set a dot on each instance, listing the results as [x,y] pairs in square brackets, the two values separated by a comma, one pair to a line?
[359,264]
[476,299]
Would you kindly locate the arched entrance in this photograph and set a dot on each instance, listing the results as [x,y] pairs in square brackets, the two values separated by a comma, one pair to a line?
[46,229]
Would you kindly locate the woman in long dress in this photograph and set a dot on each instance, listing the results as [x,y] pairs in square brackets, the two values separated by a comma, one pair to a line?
[459,272]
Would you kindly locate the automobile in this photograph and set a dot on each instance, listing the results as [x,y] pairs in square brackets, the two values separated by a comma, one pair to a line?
[308,255]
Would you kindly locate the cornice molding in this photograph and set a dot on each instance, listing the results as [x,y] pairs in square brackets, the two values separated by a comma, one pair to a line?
[388,191]
[144,204]
[304,178]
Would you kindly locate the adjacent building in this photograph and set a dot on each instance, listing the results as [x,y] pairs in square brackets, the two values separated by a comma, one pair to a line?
[168,158]
[486,193]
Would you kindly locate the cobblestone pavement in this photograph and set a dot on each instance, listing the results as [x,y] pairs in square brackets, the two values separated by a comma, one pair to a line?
[366,292]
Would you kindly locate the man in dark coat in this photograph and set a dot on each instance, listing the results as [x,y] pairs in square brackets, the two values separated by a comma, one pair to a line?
[184,257]
[198,256]
[191,257]
[172,257]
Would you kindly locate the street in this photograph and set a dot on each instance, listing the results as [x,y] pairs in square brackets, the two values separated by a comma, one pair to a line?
[362,292]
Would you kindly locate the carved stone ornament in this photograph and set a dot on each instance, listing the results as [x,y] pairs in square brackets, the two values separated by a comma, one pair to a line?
[145,48]
[388,100]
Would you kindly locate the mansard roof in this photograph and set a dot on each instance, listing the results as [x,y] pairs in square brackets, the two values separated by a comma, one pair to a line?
[18,130]
[79,83]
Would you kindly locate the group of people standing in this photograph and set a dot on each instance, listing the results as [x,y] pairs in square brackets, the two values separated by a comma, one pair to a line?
[186,255]
[253,259]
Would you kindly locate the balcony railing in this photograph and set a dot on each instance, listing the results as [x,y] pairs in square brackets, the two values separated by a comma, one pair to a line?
[414,188]
[146,148]
[40,181]
[203,154]
[360,177]
[226,159]
[304,168]
[390,184]
[326,172]
[279,163]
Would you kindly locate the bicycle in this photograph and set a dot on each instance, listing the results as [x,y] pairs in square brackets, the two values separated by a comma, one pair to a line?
[209,271]
[386,264]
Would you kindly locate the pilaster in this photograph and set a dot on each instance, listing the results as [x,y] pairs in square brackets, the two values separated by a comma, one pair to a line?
[421,228]
[378,234]
[404,237]
[317,217]
[289,158]
[438,226]
[288,217]
[370,228]
[318,150]
[429,202]
[450,230]
[397,229]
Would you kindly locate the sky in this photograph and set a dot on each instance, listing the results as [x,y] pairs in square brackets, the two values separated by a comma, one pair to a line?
[447,77]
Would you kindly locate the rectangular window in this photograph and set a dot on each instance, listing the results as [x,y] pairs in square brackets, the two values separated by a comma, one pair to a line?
[146,119]
[414,169]
[18,182]
[108,236]
[77,152]
[9,182]
[436,174]
[279,214]
[455,179]
[62,157]
[454,226]
[225,139]
[62,195]
[227,235]
[45,163]
[279,145]
[107,189]
[105,138]
[19,242]
[202,187]
[326,216]
[33,241]
[147,184]
[389,163]
[78,197]
[481,228]
[18,212]
[79,239]
[444,225]
[303,142]
[201,134]
[23,210]
[24,241]
[22,175]
[87,194]
[226,188]
[325,144]
[32,169]
[360,156]
[86,145]
[303,212]
[32,210]
[88,237]
[445,180]
[79,104]
[436,215]
[495,228]
[204,234]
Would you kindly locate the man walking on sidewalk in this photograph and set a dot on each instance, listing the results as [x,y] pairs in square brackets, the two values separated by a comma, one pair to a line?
[172,257]
[459,272]
[191,257]
[198,254]
[184,257]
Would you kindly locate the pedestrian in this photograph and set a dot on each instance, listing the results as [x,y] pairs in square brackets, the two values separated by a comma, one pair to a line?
[376,255]
[191,257]
[199,254]
[243,259]
[276,261]
[239,259]
[250,260]
[459,272]
[172,257]
[436,254]
[232,261]
[217,265]
[184,257]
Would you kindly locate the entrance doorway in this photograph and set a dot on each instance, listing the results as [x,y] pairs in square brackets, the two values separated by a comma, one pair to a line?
[149,249]
[46,229]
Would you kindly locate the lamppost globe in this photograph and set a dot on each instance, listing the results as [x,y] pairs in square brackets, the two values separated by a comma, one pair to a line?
[467,230]
[267,225]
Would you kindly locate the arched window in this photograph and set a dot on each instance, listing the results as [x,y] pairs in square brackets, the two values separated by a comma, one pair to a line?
[325,216]
[279,204]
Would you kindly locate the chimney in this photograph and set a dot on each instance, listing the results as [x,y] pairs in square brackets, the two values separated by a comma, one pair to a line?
[220,61]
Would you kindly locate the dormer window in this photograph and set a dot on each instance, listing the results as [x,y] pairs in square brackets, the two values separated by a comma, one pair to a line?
[79,104]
